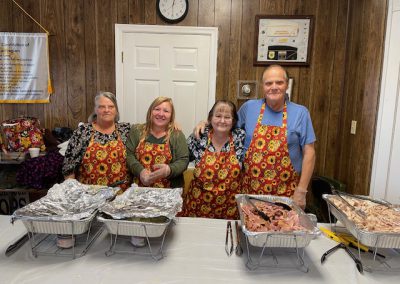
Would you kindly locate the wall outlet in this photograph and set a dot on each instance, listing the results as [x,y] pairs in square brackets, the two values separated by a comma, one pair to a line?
[353,127]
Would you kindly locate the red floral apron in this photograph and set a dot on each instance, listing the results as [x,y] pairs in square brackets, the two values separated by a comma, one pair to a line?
[214,185]
[267,165]
[104,164]
[149,154]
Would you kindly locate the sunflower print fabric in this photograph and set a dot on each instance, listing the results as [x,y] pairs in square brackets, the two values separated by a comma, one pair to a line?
[150,154]
[104,164]
[215,183]
[267,165]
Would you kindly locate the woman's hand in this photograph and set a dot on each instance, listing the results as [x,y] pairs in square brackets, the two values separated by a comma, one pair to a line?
[145,177]
[160,171]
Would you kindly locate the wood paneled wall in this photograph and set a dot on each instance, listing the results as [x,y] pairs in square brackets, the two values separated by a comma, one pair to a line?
[340,85]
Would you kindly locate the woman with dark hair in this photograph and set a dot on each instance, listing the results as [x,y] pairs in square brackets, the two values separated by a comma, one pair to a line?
[96,152]
[217,155]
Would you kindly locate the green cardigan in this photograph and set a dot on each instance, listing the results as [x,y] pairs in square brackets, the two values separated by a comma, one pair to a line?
[179,150]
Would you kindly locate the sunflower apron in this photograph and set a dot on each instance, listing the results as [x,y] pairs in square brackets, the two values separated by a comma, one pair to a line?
[150,154]
[105,164]
[267,165]
[214,185]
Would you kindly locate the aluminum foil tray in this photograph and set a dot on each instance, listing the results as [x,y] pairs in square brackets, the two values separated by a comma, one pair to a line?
[295,239]
[371,239]
[134,228]
[63,227]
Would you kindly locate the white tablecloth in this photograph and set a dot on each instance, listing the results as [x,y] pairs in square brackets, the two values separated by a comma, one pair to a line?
[194,253]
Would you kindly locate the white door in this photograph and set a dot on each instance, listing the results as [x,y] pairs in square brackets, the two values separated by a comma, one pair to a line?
[176,62]
[385,181]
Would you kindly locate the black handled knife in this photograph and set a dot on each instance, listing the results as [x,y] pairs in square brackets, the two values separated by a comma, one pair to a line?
[17,244]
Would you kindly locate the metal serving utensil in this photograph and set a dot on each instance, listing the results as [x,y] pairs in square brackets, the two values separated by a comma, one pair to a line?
[258,211]
[359,212]
[239,249]
[276,203]
[229,248]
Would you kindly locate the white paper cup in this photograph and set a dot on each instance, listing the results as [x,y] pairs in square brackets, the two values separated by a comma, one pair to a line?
[34,152]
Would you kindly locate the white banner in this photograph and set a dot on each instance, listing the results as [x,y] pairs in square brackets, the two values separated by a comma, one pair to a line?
[24,68]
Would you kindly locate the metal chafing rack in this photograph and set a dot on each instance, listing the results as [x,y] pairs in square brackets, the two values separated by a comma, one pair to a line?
[141,212]
[277,245]
[63,223]
[383,245]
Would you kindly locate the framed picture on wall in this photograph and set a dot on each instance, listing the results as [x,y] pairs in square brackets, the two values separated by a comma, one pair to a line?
[284,40]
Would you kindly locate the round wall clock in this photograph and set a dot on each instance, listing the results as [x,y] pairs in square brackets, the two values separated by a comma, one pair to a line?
[172,11]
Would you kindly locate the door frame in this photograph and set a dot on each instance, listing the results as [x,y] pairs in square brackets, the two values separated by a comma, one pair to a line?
[386,121]
[121,29]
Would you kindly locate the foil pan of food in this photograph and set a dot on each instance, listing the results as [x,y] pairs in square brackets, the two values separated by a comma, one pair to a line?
[145,202]
[373,222]
[138,227]
[274,221]
[67,208]
[142,211]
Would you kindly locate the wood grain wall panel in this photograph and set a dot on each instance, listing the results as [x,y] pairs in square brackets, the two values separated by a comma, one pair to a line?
[337,92]
[206,13]
[136,11]
[234,49]
[75,61]
[123,11]
[150,14]
[91,55]
[56,113]
[351,94]
[222,21]
[322,67]
[249,10]
[106,17]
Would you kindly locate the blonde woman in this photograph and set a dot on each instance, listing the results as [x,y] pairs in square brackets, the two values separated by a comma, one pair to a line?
[157,154]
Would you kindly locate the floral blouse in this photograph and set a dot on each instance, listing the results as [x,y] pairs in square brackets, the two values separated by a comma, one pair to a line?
[80,141]
[197,147]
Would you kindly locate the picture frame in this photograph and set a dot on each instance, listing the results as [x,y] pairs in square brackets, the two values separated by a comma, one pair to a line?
[283,39]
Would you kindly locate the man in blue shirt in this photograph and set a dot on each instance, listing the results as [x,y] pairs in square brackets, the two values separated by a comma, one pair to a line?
[280,154]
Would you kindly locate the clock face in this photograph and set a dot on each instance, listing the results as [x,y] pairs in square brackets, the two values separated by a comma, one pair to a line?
[172,11]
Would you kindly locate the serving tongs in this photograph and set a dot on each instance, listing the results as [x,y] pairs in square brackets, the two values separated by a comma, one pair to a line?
[229,237]
[258,211]
[343,246]
[276,203]
[359,212]
[377,201]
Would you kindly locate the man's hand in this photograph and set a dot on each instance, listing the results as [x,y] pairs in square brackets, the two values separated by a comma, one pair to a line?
[299,197]
[199,129]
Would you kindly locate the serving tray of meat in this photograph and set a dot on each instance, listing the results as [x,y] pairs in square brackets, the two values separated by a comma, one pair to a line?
[373,222]
[273,221]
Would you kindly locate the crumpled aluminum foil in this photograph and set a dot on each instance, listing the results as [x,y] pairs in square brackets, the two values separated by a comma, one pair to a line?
[70,200]
[145,202]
